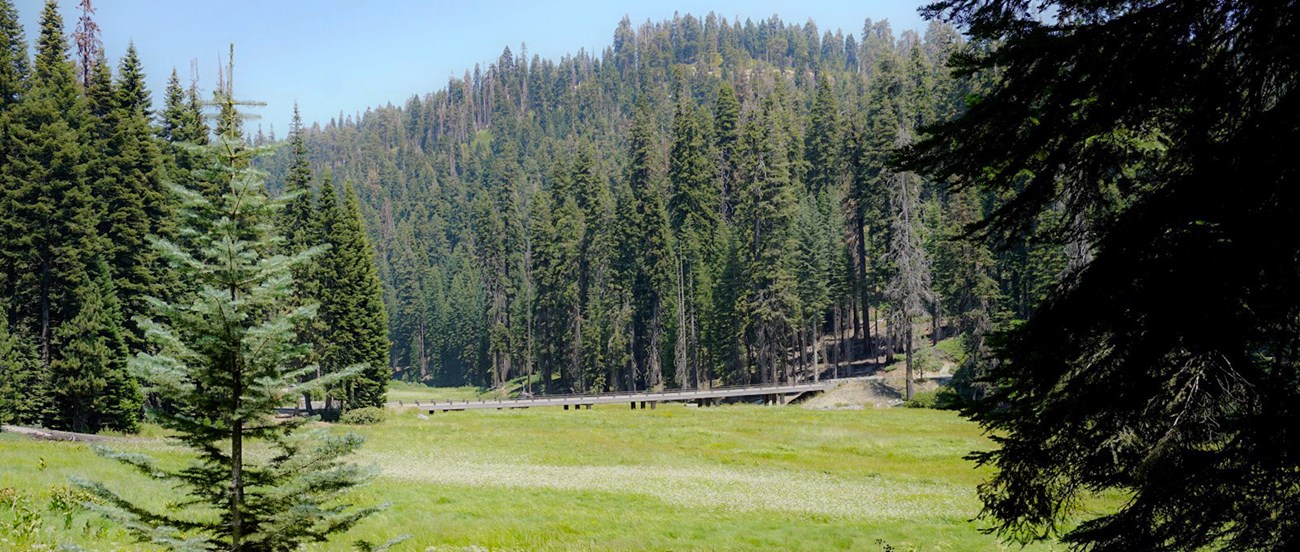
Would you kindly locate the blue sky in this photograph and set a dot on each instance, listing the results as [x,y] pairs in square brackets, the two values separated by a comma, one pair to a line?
[336,55]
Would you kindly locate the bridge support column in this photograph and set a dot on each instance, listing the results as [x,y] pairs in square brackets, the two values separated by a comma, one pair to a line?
[588,407]
[652,404]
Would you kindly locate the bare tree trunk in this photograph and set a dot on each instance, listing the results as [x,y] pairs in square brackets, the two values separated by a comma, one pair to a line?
[423,359]
[838,332]
[575,351]
[683,333]
[908,396]
[842,343]
[45,314]
[870,347]
[236,448]
[817,369]
[935,324]
[864,293]
[654,363]
[701,372]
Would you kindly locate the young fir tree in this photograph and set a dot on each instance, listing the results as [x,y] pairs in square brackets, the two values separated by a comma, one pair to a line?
[225,361]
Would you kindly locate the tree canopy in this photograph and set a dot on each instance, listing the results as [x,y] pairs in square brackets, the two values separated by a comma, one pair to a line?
[1153,140]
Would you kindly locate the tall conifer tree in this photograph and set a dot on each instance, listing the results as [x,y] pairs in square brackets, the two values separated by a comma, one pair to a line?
[765,218]
[136,205]
[53,241]
[355,323]
[694,209]
[297,227]
[14,68]
[648,249]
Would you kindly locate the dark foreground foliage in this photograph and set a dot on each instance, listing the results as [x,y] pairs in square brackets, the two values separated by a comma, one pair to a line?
[1166,366]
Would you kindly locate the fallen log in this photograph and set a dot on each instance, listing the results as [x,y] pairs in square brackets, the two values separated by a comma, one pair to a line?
[53,435]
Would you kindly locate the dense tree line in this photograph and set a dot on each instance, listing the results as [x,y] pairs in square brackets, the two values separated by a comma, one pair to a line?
[83,166]
[704,202]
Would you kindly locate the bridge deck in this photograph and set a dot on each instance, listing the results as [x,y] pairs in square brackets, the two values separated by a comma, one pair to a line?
[625,397]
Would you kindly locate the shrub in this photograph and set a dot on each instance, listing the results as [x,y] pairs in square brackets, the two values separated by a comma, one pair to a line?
[923,399]
[943,398]
[364,416]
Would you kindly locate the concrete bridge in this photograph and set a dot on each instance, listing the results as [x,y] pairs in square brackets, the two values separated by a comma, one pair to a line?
[773,393]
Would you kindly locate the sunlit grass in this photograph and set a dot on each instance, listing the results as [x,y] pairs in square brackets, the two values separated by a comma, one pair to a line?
[727,478]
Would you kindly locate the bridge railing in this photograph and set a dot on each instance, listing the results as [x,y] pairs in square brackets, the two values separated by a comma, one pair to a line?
[626,394]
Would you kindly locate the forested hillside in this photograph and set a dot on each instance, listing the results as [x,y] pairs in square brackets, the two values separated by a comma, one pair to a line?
[703,202]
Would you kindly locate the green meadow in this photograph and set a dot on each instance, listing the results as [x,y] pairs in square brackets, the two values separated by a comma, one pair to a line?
[736,477]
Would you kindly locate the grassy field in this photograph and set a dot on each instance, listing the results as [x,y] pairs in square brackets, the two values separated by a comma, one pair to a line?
[675,478]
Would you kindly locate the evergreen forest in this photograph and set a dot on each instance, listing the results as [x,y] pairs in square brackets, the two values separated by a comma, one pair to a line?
[1088,209]
[705,202]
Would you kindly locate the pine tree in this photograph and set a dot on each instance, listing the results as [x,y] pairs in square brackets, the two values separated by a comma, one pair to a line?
[647,249]
[182,117]
[352,304]
[723,323]
[825,140]
[765,218]
[14,68]
[182,127]
[24,383]
[909,292]
[694,212]
[410,311]
[13,56]
[295,223]
[559,229]
[964,276]
[89,384]
[596,278]
[815,258]
[225,361]
[52,218]
[726,127]
[136,204]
